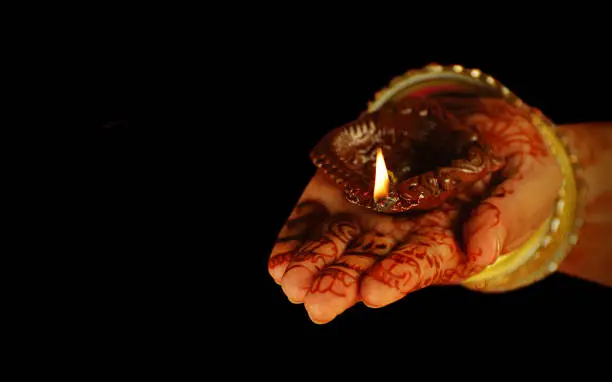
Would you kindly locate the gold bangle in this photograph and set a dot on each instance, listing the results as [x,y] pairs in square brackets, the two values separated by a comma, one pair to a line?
[543,252]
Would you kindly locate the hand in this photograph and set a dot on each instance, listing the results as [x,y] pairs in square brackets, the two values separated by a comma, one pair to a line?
[331,255]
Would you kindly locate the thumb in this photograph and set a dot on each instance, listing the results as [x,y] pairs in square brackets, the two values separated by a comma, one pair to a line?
[515,209]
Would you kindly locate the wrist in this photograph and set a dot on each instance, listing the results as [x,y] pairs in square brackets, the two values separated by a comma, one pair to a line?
[591,257]
[592,144]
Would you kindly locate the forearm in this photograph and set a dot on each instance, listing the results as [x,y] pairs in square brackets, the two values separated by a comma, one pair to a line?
[591,258]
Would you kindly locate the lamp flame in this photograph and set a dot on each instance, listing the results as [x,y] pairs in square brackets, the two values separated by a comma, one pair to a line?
[381,182]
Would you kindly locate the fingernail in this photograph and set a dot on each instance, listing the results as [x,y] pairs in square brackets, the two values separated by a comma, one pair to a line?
[369,305]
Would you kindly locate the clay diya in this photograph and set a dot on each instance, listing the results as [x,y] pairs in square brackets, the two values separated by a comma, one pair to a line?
[411,153]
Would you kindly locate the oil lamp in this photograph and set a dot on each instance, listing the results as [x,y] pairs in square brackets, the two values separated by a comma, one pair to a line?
[412,154]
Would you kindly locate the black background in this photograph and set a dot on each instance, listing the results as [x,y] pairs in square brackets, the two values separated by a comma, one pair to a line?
[201,151]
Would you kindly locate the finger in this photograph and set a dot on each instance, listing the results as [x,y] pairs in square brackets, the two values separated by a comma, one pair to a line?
[336,288]
[432,234]
[305,220]
[314,255]
[514,211]
[430,255]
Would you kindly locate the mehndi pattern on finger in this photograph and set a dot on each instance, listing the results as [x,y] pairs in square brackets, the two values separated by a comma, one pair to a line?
[314,255]
[413,265]
[337,286]
[303,224]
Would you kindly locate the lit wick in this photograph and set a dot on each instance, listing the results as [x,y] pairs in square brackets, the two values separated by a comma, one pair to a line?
[381,182]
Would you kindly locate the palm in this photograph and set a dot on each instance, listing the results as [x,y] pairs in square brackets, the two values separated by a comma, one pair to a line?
[331,254]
